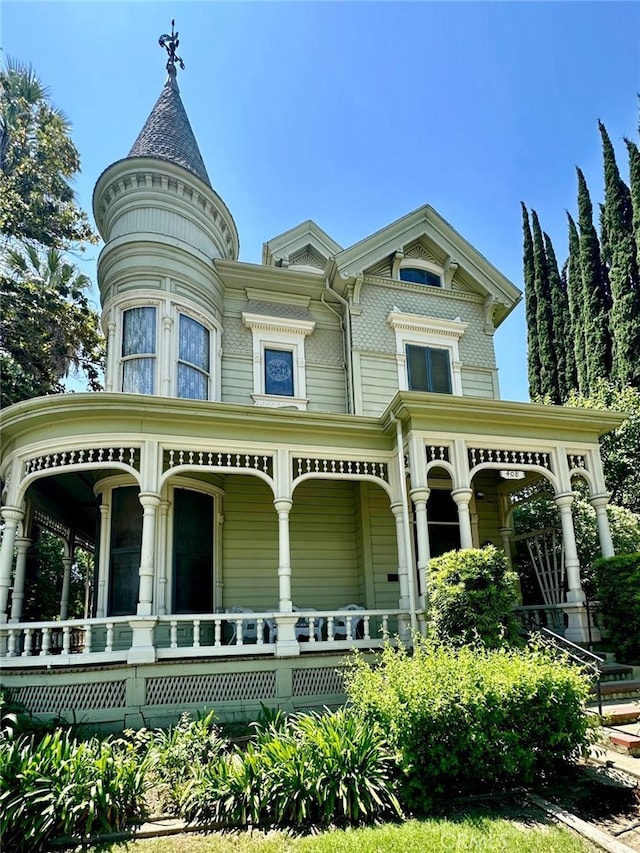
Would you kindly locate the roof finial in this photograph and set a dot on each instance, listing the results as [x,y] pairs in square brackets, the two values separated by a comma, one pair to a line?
[170,44]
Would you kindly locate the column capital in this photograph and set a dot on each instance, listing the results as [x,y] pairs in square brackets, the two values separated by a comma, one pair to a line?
[462,496]
[283,505]
[22,542]
[564,499]
[420,493]
[396,509]
[149,499]
[600,500]
[12,513]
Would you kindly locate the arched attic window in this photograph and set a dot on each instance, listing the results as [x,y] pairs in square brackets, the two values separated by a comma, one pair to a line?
[418,271]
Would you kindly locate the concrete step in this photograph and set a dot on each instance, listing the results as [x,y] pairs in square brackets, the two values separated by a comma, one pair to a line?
[625,743]
[616,672]
[619,714]
[626,689]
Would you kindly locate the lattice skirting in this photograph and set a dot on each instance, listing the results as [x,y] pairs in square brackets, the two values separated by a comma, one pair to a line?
[325,681]
[53,699]
[208,689]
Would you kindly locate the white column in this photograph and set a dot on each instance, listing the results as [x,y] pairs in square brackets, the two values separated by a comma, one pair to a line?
[578,629]
[110,372]
[103,560]
[505,535]
[420,498]
[462,498]
[599,503]
[67,562]
[17,596]
[165,356]
[283,508]
[12,516]
[286,643]
[163,514]
[403,573]
[150,502]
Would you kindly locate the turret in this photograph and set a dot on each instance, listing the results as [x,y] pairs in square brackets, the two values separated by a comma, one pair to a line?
[163,224]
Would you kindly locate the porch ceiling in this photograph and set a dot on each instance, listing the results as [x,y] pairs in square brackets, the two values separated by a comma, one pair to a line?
[69,499]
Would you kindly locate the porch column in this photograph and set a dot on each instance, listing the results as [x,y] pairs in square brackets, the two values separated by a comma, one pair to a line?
[283,508]
[599,503]
[150,502]
[163,516]
[12,516]
[17,596]
[578,628]
[505,535]
[103,560]
[420,498]
[403,573]
[462,498]
[67,562]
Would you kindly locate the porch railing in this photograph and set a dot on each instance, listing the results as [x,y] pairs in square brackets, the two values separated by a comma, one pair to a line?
[113,639]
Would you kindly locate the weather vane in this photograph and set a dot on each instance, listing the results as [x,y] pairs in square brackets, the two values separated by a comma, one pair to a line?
[170,44]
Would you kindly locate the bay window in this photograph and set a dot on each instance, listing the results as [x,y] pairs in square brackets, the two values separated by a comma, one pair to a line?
[139,350]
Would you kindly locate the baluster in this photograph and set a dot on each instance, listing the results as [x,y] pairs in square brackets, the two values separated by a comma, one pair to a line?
[217,632]
[66,639]
[385,627]
[239,637]
[196,633]
[28,642]
[330,632]
[11,643]
[312,629]
[109,646]
[173,634]
[46,642]
[349,635]
[260,630]
[87,638]
[367,634]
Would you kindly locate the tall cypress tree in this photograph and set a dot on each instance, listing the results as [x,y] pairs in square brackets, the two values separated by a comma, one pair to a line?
[619,249]
[533,353]
[634,183]
[576,309]
[544,318]
[595,290]
[561,323]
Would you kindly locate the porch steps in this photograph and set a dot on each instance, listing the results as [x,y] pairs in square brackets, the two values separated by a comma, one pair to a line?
[619,681]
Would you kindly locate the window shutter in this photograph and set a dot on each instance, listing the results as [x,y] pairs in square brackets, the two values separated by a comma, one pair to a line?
[440,371]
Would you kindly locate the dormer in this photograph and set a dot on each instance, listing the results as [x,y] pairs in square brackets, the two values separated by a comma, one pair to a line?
[305,248]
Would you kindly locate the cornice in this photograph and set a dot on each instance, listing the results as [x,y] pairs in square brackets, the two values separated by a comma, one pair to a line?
[435,325]
[408,286]
[264,323]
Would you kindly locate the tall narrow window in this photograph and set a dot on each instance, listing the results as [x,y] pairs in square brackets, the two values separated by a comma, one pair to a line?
[278,372]
[139,350]
[193,360]
[429,369]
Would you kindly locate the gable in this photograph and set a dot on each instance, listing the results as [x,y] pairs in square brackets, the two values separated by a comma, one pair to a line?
[425,236]
[306,246]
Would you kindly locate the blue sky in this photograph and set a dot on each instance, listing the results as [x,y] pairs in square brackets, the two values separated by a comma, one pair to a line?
[355,113]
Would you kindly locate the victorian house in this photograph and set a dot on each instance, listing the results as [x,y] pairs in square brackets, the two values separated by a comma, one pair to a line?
[279,450]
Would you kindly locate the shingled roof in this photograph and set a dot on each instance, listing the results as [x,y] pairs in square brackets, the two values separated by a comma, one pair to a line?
[167,134]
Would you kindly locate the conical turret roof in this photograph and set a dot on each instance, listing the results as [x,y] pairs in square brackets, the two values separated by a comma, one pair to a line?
[167,133]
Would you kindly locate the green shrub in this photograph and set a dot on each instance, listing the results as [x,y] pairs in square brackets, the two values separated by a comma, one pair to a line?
[617,587]
[309,769]
[471,595]
[58,786]
[470,719]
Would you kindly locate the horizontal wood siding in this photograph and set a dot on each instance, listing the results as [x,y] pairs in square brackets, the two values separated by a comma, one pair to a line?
[384,548]
[325,563]
[237,380]
[379,382]
[478,383]
[249,545]
[485,483]
[325,388]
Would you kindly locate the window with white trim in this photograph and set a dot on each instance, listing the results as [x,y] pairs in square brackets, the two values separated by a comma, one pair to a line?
[278,360]
[420,275]
[193,373]
[428,369]
[139,350]
[427,353]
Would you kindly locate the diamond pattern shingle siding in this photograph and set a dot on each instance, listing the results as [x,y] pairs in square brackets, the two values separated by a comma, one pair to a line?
[167,134]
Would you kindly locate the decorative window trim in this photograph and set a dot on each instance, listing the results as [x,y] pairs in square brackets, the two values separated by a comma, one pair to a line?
[427,332]
[152,356]
[401,261]
[280,334]
[178,311]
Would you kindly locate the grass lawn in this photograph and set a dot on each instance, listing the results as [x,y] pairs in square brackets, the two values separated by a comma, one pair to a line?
[465,835]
